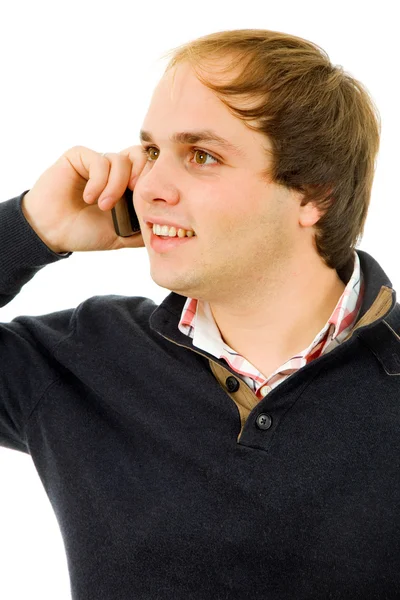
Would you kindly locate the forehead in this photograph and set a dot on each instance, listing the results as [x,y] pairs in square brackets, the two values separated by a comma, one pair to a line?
[180,92]
[181,102]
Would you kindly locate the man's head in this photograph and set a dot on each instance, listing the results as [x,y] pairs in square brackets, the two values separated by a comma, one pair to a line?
[297,176]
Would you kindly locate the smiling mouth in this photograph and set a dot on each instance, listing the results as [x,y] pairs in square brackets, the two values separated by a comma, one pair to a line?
[167,231]
[163,244]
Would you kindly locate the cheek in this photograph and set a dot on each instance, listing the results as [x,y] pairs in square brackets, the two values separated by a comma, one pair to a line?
[222,205]
[238,209]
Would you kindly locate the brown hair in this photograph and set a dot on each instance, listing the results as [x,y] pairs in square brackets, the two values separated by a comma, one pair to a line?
[323,125]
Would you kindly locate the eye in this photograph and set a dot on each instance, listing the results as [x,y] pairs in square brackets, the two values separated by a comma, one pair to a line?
[204,155]
[152,154]
[147,152]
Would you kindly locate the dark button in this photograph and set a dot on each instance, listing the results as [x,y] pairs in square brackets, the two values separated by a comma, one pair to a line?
[232,384]
[264,421]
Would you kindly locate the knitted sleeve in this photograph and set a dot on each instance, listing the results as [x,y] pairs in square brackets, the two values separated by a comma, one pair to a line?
[27,366]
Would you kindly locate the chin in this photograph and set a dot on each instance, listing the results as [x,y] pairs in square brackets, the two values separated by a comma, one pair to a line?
[172,286]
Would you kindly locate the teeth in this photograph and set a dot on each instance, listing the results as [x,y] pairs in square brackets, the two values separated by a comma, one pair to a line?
[171,231]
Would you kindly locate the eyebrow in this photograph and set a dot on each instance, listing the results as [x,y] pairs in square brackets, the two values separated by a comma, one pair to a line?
[194,137]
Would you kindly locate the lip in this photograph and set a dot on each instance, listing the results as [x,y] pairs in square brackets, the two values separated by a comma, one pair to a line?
[154,220]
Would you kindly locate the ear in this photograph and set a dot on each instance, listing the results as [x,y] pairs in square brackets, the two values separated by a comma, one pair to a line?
[315,201]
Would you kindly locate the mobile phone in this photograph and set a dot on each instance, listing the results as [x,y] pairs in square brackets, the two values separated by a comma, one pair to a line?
[124,216]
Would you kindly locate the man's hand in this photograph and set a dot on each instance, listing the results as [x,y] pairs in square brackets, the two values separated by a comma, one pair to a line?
[62,207]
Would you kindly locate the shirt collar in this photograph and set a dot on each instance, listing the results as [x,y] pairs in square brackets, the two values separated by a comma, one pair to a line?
[166,318]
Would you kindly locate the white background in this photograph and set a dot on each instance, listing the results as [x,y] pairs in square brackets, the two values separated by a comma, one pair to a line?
[81,72]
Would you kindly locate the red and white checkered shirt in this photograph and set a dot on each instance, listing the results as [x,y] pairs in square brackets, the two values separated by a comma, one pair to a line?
[198,323]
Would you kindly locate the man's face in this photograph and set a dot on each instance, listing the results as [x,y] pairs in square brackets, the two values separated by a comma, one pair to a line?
[245,227]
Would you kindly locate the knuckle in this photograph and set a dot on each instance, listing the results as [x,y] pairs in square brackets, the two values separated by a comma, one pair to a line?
[75,152]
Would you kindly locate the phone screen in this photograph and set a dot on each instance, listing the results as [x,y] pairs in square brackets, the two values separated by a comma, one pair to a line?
[124,216]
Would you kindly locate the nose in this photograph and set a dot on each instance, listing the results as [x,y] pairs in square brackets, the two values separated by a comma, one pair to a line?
[158,181]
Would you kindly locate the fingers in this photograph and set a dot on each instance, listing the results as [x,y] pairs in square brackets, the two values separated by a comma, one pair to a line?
[93,168]
[126,167]
[138,160]
[107,176]
[118,170]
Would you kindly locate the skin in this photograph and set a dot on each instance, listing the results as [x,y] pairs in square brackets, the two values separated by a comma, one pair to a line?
[253,258]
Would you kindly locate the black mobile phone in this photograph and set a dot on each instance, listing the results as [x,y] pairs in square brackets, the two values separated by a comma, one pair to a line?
[124,216]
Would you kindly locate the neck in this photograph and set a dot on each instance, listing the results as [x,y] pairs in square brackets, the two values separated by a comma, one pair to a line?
[283,318]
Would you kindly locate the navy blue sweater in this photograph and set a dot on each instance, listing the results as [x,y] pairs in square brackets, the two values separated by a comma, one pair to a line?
[158,493]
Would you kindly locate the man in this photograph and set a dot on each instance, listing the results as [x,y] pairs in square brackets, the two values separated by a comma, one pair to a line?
[241,439]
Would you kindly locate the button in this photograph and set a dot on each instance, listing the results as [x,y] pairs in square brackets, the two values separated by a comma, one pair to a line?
[265,390]
[232,384]
[264,421]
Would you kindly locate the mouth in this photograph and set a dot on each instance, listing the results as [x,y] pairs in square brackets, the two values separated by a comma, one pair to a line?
[163,244]
[170,230]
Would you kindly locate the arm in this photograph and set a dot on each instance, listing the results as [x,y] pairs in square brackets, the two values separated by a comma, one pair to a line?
[22,252]
[27,367]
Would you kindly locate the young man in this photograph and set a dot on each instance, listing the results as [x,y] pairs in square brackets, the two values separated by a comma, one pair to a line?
[240,439]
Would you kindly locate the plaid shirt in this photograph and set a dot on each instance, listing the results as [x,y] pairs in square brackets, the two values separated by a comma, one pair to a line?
[198,323]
